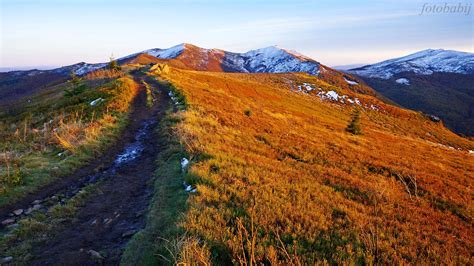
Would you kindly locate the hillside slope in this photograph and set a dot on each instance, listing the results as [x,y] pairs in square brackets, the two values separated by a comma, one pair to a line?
[437,82]
[279,180]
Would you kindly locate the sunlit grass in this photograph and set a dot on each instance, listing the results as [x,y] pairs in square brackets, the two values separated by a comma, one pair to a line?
[280,180]
[55,134]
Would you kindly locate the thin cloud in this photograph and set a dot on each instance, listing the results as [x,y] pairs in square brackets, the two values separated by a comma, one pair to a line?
[301,24]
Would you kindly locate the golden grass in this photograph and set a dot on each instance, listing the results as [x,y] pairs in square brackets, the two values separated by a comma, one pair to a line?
[59,134]
[286,184]
[105,73]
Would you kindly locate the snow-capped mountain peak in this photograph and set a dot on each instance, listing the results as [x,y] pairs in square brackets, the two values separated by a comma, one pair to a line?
[274,59]
[271,59]
[168,53]
[424,62]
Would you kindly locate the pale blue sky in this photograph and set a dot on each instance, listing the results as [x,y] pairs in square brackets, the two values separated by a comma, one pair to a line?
[55,33]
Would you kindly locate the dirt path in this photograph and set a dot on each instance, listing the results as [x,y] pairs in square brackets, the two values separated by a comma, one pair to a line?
[116,210]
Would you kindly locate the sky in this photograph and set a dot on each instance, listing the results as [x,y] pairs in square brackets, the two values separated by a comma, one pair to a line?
[47,33]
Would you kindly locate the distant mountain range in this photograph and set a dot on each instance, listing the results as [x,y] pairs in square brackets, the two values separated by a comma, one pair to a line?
[187,56]
[438,82]
[425,62]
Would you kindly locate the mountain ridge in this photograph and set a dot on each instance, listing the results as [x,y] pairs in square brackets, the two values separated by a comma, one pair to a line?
[434,81]
[271,59]
[424,62]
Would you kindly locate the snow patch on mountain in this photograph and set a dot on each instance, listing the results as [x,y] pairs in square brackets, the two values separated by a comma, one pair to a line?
[266,60]
[425,62]
[276,60]
[350,82]
[169,53]
[332,96]
[403,81]
[87,68]
[79,69]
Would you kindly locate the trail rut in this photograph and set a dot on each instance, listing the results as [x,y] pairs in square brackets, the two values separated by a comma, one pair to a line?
[116,209]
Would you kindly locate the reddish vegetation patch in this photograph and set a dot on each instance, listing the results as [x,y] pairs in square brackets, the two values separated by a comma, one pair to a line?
[284,182]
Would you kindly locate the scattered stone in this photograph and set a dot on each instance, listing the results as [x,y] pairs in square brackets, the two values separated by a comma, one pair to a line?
[95,255]
[36,202]
[6,260]
[94,222]
[37,206]
[18,212]
[129,233]
[8,221]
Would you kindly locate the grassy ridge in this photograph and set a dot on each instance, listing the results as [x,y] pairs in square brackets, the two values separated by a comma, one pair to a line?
[283,182]
[54,134]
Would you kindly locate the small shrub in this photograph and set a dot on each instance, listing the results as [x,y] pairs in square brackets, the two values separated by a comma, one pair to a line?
[77,87]
[248,112]
[354,125]
[113,65]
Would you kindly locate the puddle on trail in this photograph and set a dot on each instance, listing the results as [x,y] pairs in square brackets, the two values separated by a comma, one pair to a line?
[130,153]
[134,150]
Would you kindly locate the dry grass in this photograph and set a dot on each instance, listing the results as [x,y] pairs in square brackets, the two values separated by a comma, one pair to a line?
[105,74]
[286,184]
[60,133]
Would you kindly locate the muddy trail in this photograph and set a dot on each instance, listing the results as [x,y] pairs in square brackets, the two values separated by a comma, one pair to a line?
[115,211]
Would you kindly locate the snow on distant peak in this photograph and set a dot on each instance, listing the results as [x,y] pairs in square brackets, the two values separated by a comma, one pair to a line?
[169,53]
[273,59]
[424,62]
[270,59]
[79,69]
[87,68]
